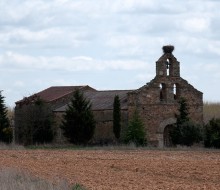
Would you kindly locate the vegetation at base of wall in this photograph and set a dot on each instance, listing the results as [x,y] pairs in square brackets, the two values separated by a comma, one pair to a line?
[117,117]
[34,123]
[212,134]
[5,129]
[135,133]
[78,121]
[185,132]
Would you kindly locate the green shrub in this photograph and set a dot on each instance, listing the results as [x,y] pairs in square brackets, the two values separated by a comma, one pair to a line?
[78,187]
[135,132]
[212,133]
[185,132]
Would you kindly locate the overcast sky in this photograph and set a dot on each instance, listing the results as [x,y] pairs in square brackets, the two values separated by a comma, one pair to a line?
[107,44]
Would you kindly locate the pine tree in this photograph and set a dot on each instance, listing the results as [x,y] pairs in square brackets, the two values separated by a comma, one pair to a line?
[117,117]
[185,132]
[135,132]
[5,131]
[182,117]
[78,121]
[183,112]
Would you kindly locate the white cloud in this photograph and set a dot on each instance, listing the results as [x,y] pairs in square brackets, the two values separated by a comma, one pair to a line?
[19,84]
[80,63]
[196,24]
[51,37]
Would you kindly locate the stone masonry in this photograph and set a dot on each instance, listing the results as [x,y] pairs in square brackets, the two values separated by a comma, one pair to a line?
[156,103]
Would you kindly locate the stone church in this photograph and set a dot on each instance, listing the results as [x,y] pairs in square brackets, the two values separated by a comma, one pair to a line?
[156,103]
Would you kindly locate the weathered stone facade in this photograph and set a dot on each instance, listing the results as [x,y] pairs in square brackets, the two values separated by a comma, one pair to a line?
[156,103]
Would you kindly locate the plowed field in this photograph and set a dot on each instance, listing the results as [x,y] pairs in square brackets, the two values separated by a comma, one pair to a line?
[136,169]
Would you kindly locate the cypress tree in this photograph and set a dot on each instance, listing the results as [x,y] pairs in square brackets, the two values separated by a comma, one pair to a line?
[117,117]
[78,121]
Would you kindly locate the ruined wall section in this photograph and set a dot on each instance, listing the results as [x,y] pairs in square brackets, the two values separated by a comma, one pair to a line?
[151,109]
[154,109]
[104,126]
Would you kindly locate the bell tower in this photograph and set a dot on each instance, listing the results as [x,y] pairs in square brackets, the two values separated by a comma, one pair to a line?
[167,65]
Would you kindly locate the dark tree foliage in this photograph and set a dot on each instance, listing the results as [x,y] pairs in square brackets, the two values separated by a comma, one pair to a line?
[117,117]
[185,132]
[135,132]
[5,130]
[183,117]
[78,121]
[34,123]
[212,133]
[43,124]
[183,112]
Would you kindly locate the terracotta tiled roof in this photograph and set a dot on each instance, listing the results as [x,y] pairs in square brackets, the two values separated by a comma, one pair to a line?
[56,92]
[103,100]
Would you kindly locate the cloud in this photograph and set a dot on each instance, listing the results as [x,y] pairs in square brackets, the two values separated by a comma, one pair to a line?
[196,24]
[52,38]
[19,84]
[81,63]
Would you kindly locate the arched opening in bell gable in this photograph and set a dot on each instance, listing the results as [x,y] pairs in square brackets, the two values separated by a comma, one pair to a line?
[162,92]
[167,67]
[176,91]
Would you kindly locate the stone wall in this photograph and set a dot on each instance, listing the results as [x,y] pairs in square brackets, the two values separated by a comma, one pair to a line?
[157,101]
[153,111]
[104,126]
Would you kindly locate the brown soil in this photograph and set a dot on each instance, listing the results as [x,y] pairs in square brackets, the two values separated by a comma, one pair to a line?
[118,170]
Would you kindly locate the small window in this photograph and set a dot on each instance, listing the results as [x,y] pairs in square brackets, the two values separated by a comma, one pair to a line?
[162,92]
[176,91]
[168,64]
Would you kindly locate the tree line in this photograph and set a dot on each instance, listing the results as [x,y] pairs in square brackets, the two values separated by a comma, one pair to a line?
[34,125]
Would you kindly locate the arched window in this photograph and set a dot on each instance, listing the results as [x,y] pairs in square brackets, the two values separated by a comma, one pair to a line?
[176,91]
[168,64]
[162,92]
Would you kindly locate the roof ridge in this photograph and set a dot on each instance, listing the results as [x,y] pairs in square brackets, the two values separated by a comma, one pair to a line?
[68,86]
[111,90]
